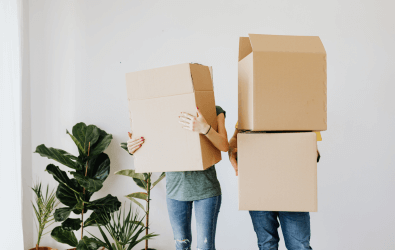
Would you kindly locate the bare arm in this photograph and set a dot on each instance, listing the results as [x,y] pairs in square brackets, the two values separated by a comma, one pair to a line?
[198,124]
[219,139]
[233,151]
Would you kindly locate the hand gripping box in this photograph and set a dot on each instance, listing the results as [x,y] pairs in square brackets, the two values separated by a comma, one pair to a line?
[277,171]
[282,83]
[156,99]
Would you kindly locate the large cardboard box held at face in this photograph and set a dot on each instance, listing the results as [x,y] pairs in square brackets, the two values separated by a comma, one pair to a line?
[277,171]
[282,83]
[156,99]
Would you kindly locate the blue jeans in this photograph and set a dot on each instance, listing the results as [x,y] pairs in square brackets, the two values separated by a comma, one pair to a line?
[206,213]
[295,227]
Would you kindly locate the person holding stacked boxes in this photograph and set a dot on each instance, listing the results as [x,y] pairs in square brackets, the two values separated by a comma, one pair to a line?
[282,106]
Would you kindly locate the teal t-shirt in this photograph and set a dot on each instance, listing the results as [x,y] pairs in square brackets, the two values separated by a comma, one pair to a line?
[193,185]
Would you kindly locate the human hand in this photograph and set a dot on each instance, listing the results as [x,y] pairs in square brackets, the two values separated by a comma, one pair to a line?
[233,160]
[134,144]
[196,124]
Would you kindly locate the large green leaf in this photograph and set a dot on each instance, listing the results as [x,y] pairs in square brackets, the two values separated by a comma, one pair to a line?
[136,202]
[79,211]
[58,155]
[62,214]
[99,167]
[64,236]
[66,195]
[139,179]
[90,184]
[79,206]
[102,143]
[140,183]
[87,196]
[77,142]
[124,145]
[131,173]
[106,204]
[60,176]
[85,135]
[163,175]
[71,224]
[138,195]
[95,219]
[88,244]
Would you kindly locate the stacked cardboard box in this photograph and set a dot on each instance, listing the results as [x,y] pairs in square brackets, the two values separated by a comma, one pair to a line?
[282,99]
[156,99]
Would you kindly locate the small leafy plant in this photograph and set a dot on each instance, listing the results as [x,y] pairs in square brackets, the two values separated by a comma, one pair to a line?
[43,207]
[143,181]
[124,229]
[90,169]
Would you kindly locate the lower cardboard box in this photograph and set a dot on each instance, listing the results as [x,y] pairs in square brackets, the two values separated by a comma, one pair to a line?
[277,171]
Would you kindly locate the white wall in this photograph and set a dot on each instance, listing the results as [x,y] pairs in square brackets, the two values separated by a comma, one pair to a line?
[27,193]
[81,50]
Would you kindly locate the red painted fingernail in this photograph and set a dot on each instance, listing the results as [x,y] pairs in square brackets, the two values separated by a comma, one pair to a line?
[197,107]
[140,145]
[142,137]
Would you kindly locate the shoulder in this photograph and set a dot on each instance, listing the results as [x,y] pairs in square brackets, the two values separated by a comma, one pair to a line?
[220,111]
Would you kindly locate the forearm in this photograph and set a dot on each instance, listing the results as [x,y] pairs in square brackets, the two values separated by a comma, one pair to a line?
[218,140]
[233,143]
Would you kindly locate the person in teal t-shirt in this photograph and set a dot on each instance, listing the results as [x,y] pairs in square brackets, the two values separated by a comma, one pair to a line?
[198,188]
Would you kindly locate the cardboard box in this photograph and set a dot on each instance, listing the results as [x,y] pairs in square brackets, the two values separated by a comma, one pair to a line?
[282,83]
[277,171]
[156,99]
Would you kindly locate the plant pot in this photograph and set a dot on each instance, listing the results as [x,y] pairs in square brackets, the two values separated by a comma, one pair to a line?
[43,248]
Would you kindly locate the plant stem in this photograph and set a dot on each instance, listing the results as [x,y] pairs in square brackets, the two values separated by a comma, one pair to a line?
[83,204]
[147,210]
[39,238]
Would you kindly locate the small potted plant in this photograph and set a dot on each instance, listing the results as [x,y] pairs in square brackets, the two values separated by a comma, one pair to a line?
[124,230]
[43,206]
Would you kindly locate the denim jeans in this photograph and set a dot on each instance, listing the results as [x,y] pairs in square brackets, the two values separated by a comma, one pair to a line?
[206,213]
[295,227]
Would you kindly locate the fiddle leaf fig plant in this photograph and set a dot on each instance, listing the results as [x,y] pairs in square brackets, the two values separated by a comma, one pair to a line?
[90,169]
[144,181]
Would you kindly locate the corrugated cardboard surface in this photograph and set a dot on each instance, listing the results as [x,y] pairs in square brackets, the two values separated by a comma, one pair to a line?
[205,102]
[156,99]
[277,171]
[246,92]
[159,82]
[286,88]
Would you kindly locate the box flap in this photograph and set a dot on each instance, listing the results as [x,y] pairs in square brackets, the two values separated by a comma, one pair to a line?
[244,47]
[276,43]
[201,77]
[159,82]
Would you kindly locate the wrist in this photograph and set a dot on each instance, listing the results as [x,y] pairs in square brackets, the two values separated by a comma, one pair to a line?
[205,129]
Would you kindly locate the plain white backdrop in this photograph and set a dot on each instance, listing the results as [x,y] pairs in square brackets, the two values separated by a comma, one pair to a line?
[11,54]
[81,50]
